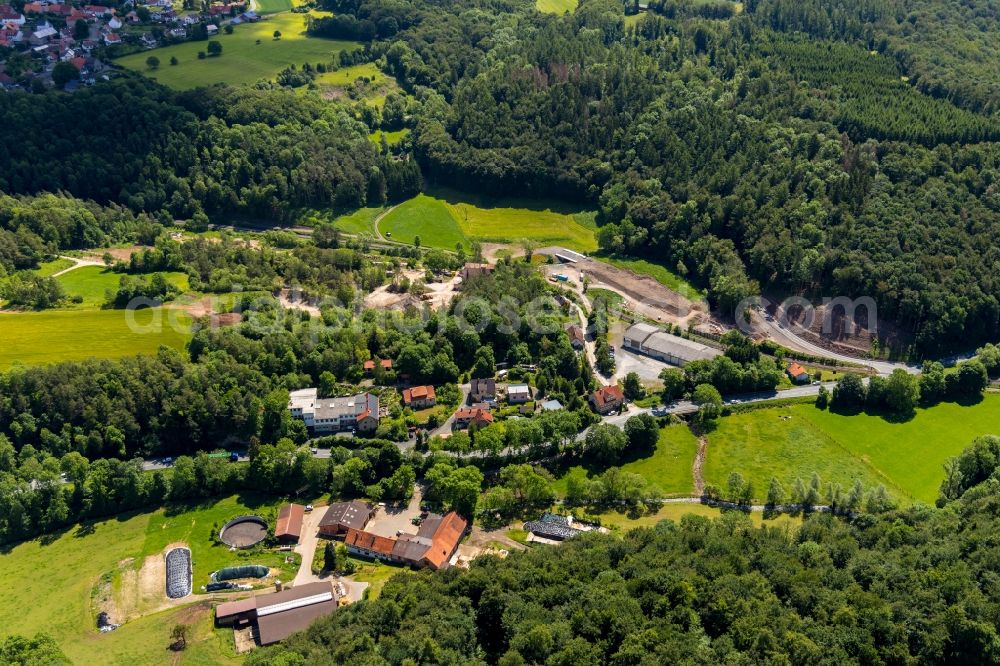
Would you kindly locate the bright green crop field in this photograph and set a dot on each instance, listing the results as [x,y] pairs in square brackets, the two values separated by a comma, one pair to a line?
[38,338]
[248,55]
[795,441]
[450,219]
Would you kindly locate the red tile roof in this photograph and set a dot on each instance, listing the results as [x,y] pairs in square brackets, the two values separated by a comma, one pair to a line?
[445,539]
[795,370]
[289,521]
[608,394]
[372,542]
[418,393]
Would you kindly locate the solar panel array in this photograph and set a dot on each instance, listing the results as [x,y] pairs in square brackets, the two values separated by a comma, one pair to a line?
[178,573]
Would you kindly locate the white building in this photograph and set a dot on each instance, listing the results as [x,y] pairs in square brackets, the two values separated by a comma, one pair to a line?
[334,414]
[518,394]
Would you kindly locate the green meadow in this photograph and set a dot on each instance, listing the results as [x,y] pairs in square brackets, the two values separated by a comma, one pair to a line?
[49,268]
[38,338]
[446,220]
[796,441]
[248,55]
[556,6]
[54,584]
[92,282]
[669,467]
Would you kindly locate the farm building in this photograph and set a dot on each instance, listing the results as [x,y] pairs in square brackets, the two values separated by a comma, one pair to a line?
[518,394]
[344,516]
[432,546]
[335,414]
[797,373]
[483,389]
[607,399]
[277,616]
[288,529]
[651,341]
[419,397]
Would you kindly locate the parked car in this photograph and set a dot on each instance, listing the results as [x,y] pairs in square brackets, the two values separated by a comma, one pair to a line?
[234,457]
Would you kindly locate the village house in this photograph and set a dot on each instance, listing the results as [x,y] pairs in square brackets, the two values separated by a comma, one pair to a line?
[10,15]
[484,389]
[419,397]
[797,373]
[475,415]
[607,399]
[369,365]
[518,394]
[576,336]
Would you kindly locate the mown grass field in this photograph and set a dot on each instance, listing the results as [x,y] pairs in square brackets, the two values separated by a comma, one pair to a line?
[243,60]
[92,282]
[443,221]
[669,467]
[53,584]
[556,6]
[273,6]
[38,338]
[906,457]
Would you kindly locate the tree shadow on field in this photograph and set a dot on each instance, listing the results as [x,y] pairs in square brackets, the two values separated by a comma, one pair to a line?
[487,201]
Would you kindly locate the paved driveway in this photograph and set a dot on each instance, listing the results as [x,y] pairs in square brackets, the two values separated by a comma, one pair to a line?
[388,519]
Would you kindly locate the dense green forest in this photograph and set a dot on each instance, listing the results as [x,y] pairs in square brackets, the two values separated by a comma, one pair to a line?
[823,148]
[909,586]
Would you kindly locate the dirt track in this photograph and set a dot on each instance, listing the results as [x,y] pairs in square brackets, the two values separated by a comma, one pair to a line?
[644,295]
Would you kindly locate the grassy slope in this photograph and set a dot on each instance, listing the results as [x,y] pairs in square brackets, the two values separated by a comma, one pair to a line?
[346,75]
[658,272]
[50,585]
[426,217]
[49,267]
[35,338]
[669,467]
[392,138]
[91,282]
[906,457]
[449,219]
[243,61]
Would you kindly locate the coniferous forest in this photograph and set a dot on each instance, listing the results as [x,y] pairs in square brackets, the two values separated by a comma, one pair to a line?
[828,149]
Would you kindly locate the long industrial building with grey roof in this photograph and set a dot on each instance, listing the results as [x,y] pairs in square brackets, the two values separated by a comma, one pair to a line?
[651,341]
